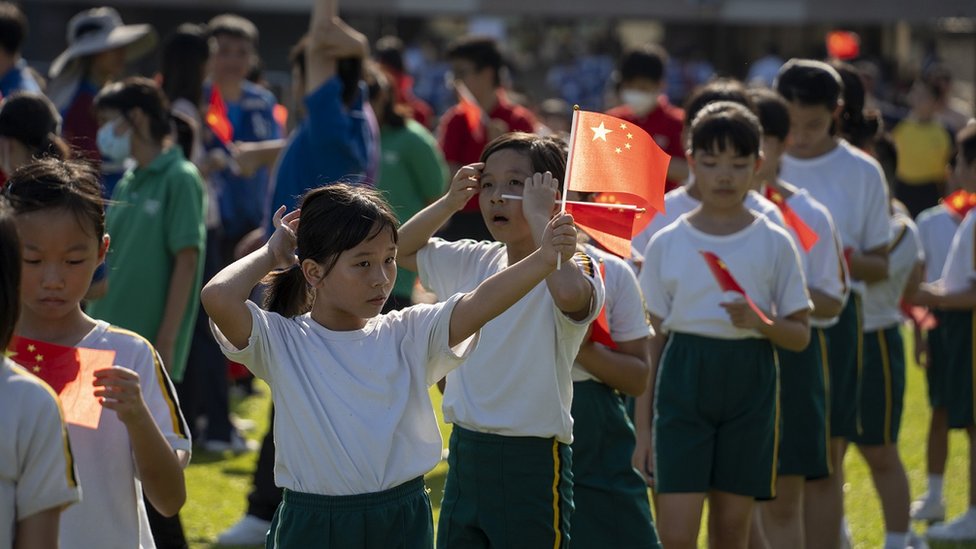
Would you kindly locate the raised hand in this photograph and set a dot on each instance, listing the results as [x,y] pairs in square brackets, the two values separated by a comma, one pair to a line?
[559,240]
[464,185]
[283,241]
[539,195]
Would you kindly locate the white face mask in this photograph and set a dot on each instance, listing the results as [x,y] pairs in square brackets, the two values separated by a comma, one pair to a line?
[641,102]
[115,147]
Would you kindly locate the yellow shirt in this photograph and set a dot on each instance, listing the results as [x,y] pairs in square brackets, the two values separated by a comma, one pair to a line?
[924,149]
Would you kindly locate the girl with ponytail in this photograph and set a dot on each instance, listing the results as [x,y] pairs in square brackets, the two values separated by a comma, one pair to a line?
[29,129]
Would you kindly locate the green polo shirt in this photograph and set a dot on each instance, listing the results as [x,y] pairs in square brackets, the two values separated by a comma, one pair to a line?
[413,174]
[157,211]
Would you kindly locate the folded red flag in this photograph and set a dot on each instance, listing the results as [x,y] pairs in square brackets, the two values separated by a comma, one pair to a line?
[807,236]
[728,283]
[600,329]
[960,203]
[217,117]
[610,155]
[920,316]
[468,106]
[70,371]
[612,228]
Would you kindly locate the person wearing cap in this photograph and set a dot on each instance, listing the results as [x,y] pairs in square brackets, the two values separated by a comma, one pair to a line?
[29,128]
[15,75]
[99,46]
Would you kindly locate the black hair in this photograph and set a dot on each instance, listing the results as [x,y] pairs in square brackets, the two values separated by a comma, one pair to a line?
[886,154]
[725,124]
[184,59]
[235,26]
[481,51]
[50,183]
[33,120]
[547,154]
[141,93]
[335,218]
[966,143]
[773,112]
[13,27]
[9,274]
[720,89]
[648,61]
[810,83]
[377,81]
[389,53]
[350,70]
[858,127]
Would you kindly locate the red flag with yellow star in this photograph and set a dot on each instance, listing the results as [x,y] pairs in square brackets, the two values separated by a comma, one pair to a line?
[808,237]
[610,155]
[728,283]
[70,371]
[960,202]
[217,117]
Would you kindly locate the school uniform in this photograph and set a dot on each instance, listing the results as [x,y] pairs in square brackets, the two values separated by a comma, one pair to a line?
[510,478]
[37,468]
[851,185]
[678,202]
[716,418]
[805,375]
[936,227]
[959,275]
[610,496]
[881,383]
[354,427]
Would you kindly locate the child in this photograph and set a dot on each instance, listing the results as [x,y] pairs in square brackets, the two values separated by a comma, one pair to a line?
[715,398]
[509,480]
[851,186]
[360,380]
[29,128]
[143,446]
[955,294]
[936,227]
[37,471]
[804,376]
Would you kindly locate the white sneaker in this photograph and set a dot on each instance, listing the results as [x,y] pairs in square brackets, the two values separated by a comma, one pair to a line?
[928,509]
[845,535]
[915,541]
[963,528]
[237,444]
[250,530]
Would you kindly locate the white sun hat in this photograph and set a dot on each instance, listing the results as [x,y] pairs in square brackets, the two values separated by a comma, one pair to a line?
[101,29]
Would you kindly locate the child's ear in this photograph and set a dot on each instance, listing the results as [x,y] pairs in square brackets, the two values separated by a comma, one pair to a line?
[103,248]
[838,109]
[760,158]
[313,271]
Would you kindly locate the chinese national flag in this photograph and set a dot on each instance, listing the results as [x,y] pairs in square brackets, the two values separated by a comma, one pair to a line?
[728,283]
[808,238]
[217,117]
[610,155]
[613,229]
[920,316]
[960,202]
[70,371]
[468,106]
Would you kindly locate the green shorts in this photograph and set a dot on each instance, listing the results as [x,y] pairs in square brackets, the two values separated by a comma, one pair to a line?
[804,447]
[506,492]
[960,339]
[716,420]
[610,496]
[845,353]
[938,362]
[398,517]
[881,392]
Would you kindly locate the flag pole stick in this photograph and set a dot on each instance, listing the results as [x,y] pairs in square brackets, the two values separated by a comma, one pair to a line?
[608,206]
[569,168]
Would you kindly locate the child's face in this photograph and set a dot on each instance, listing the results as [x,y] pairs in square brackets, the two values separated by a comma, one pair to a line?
[723,178]
[233,58]
[809,129]
[922,101]
[360,282]
[59,259]
[965,173]
[478,81]
[505,172]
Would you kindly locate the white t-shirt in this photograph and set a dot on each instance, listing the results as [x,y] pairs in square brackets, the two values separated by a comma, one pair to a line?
[352,409]
[823,266]
[959,273]
[679,288]
[624,304]
[936,227]
[882,300]
[678,202]
[37,470]
[107,471]
[851,185]
[518,381]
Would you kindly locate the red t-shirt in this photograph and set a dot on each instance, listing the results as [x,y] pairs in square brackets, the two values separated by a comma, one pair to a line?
[461,146]
[664,124]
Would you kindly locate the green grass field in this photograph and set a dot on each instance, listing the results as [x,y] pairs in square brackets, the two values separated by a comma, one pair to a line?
[217,485]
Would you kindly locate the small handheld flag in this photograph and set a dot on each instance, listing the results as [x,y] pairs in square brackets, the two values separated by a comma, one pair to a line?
[728,283]
[960,203]
[808,237]
[600,329]
[217,117]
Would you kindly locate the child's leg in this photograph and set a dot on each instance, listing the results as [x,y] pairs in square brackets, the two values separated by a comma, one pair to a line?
[823,502]
[678,519]
[937,449]
[757,532]
[730,516]
[891,482]
[782,518]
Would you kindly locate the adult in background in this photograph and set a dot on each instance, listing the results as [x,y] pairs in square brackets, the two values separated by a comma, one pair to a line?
[15,75]
[389,54]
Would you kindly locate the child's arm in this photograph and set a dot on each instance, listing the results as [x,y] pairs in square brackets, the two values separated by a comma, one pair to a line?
[159,467]
[177,300]
[503,289]
[824,305]
[792,332]
[329,38]
[643,458]
[225,296]
[414,234]
[933,295]
[39,530]
[624,368]
[871,265]
[568,286]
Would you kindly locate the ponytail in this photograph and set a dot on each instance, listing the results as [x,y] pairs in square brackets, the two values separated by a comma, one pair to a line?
[288,293]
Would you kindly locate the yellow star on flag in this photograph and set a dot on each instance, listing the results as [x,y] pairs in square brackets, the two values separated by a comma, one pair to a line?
[627,145]
[31,348]
[39,358]
[600,132]
[617,150]
[37,369]
[623,126]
